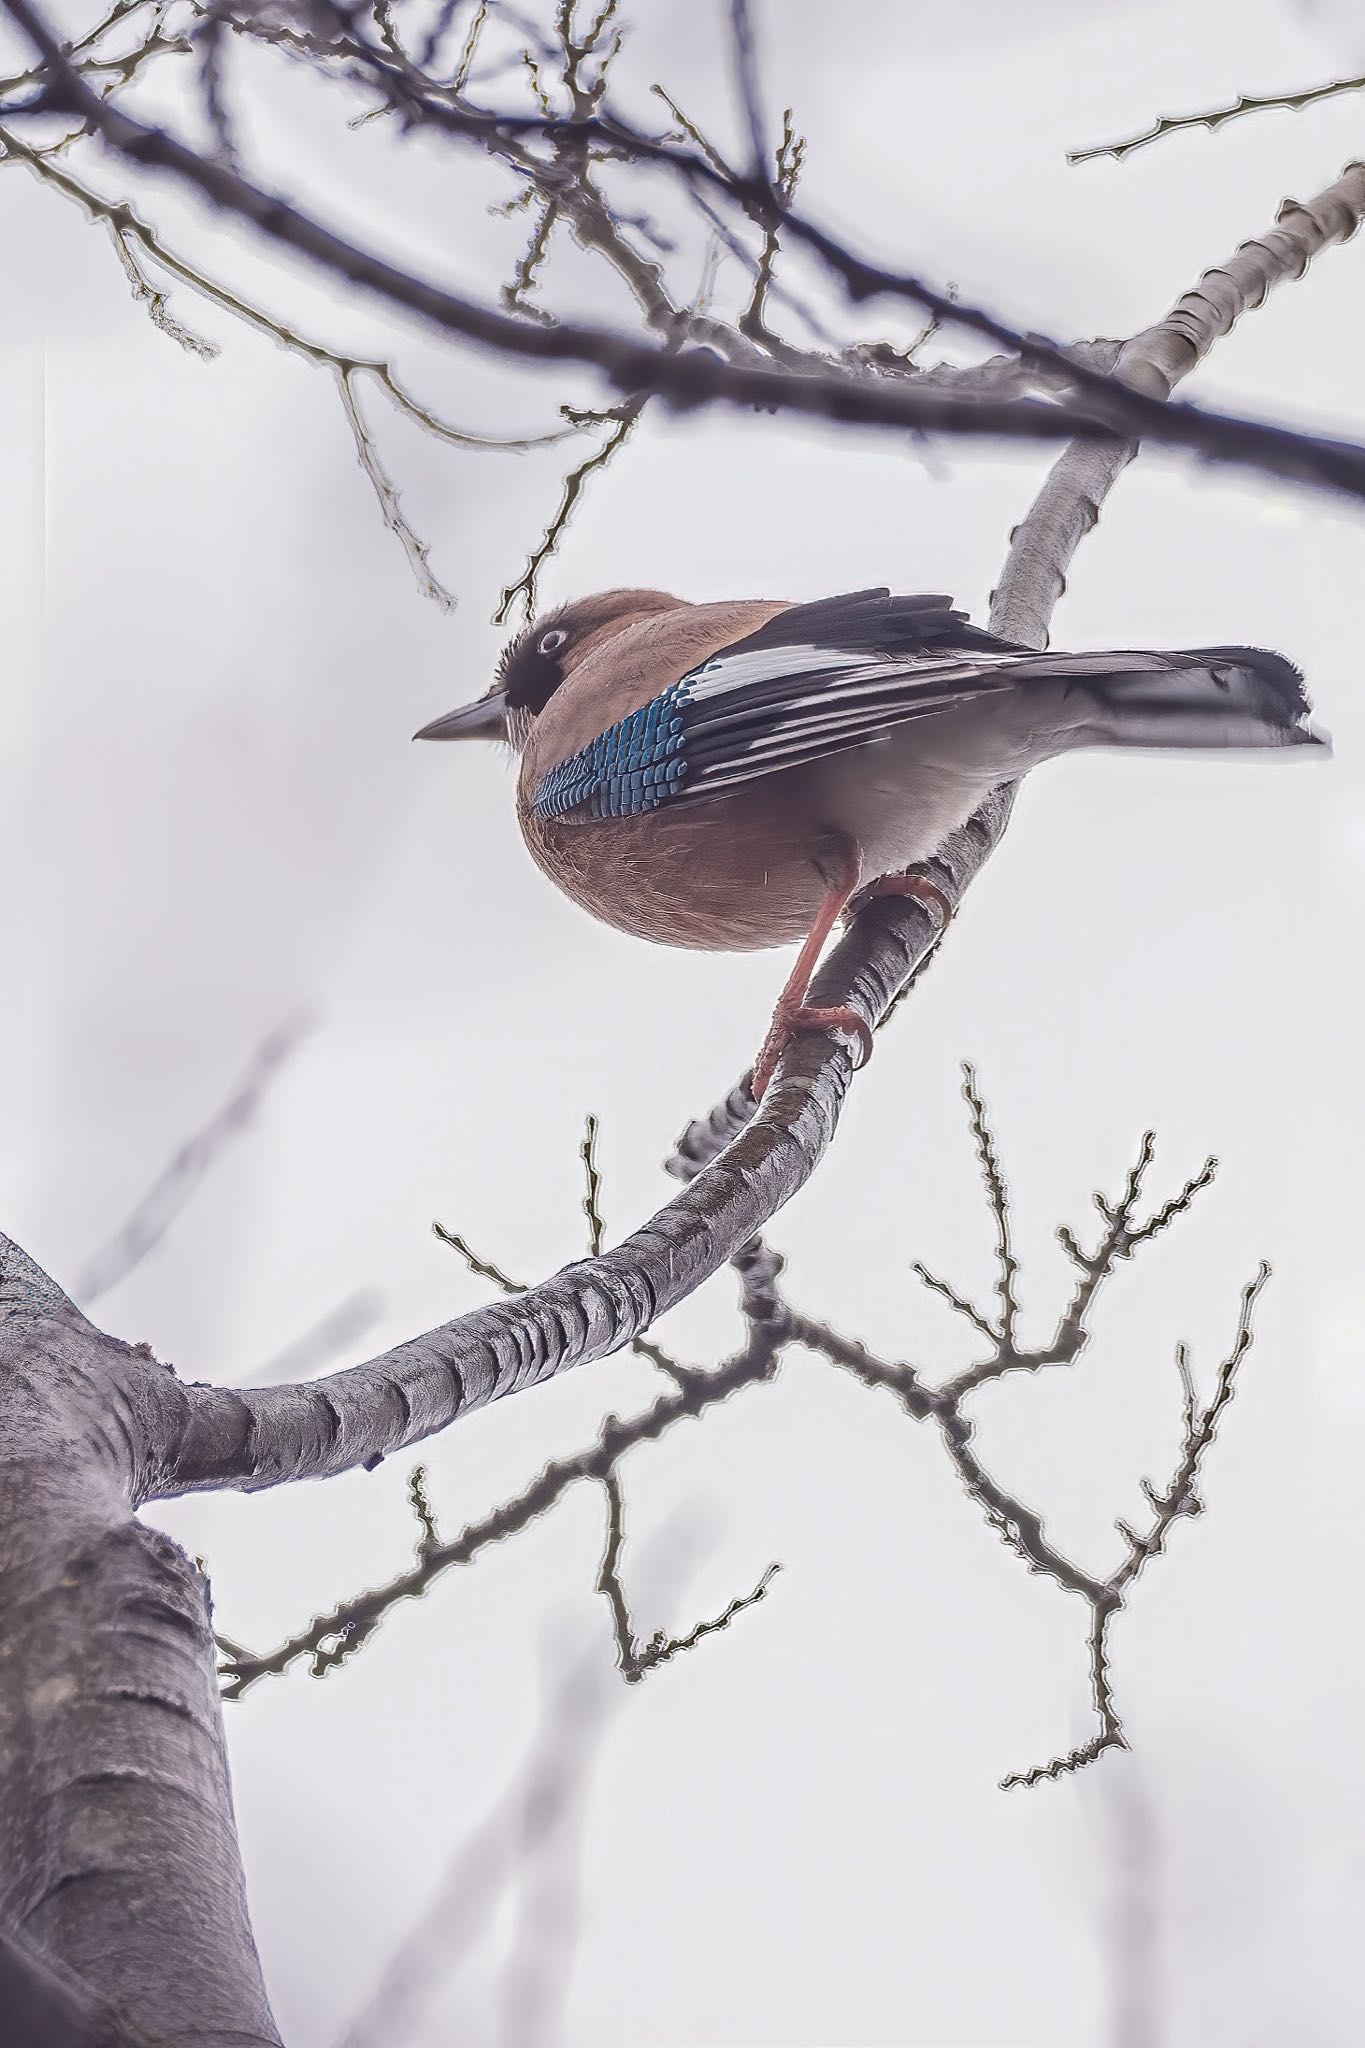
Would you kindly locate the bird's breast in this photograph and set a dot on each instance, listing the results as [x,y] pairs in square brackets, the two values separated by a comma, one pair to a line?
[726,875]
[746,869]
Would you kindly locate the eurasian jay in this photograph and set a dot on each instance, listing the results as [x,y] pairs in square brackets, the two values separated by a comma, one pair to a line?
[736,775]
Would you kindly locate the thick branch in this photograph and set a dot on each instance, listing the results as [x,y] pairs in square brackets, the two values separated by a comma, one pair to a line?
[257,1437]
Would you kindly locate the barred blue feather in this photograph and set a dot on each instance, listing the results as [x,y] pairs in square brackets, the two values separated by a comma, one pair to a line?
[630,768]
[788,696]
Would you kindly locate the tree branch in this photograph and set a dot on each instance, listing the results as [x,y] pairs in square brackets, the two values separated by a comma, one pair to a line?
[1068,506]
[1101,408]
[1020,1527]
[1215,118]
[265,1436]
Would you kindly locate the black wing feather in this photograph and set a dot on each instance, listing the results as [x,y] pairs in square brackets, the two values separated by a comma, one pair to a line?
[873,622]
[816,680]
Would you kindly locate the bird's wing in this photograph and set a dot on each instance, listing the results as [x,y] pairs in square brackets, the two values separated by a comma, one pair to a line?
[814,681]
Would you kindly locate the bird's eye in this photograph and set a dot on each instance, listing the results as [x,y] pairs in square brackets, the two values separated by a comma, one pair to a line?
[551,642]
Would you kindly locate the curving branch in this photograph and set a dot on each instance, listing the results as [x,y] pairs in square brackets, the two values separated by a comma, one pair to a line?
[263,1436]
[110,1728]
[1154,362]
[258,1437]
[773,1327]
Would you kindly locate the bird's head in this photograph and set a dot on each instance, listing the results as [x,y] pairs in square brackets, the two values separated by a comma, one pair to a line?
[534,665]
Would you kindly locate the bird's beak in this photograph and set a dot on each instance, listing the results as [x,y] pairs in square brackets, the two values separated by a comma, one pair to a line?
[484,719]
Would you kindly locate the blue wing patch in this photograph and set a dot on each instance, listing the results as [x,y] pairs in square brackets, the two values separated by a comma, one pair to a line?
[632,767]
[815,681]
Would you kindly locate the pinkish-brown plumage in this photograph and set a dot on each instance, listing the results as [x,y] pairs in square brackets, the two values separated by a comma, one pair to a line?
[786,755]
[721,876]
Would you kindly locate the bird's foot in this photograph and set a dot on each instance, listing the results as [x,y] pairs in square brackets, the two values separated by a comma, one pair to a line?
[911,883]
[789,1020]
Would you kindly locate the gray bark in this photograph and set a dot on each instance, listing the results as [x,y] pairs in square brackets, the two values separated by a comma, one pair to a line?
[118,1850]
[119,1866]
[44,2006]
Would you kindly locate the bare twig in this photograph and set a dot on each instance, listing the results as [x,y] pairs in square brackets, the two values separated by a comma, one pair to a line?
[125,224]
[518,1849]
[525,592]
[157,303]
[1215,118]
[998,1196]
[1020,1527]
[332,1638]
[414,547]
[485,1269]
[1101,407]
[587,1152]
[791,151]
[517,294]
[634,1658]
[771,1328]
[470,50]
[173,1187]
[320,1346]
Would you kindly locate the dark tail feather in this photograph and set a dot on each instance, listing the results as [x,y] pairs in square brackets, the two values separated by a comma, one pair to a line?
[1201,697]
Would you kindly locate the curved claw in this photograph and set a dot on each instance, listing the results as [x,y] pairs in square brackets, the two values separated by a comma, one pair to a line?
[807,1017]
[911,883]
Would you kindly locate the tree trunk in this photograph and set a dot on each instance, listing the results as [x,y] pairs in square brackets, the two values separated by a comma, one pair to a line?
[118,1850]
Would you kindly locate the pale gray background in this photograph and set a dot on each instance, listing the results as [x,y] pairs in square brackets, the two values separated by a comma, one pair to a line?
[212,819]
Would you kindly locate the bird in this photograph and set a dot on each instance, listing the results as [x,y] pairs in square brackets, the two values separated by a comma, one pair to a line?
[739,774]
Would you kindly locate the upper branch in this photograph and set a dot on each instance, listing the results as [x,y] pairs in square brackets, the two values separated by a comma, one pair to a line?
[1098,407]
[1154,361]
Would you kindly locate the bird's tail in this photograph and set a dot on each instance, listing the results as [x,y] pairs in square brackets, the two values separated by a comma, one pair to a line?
[1201,697]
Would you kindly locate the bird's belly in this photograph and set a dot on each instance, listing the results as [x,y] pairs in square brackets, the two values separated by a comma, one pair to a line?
[749,869]
[902,796]
[725,876]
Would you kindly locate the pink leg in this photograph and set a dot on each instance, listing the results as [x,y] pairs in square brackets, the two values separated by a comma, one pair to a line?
[793,1012]
[909,884]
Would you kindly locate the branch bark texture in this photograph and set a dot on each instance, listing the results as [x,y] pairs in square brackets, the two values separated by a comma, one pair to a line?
[118,1850]
[118,1856]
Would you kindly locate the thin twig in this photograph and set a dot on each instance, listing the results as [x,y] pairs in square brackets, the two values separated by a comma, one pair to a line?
[125,223]
[156,303]
[319,1348]
[386,491]
[1102,407]
[332,1638]
[587,1152]
[1217,117]
[525,592]
[138,1237]
[635,1659]
[484,1268]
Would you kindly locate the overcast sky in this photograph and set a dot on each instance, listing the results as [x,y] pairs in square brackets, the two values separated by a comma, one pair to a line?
[212,822]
